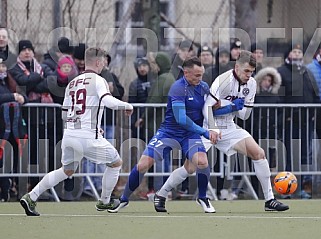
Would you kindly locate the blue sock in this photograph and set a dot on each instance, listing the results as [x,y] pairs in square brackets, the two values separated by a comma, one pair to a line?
[134,180]
[202,176]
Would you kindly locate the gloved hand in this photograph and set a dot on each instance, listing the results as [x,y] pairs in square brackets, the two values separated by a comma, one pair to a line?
[238,104]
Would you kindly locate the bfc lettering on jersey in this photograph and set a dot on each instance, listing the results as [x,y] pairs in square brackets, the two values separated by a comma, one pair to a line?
[76,82]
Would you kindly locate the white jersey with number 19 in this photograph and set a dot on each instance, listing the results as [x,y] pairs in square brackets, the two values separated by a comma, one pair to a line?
[85,98]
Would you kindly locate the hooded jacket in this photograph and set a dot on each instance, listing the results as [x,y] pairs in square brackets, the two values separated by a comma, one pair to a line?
[276,81]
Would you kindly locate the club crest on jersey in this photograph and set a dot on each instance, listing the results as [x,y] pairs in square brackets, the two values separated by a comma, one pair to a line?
[245,91]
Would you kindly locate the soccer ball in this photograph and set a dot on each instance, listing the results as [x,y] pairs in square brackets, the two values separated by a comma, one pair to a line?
[285,183]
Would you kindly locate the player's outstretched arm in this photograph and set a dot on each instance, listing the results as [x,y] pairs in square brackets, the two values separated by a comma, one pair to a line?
[182,119]
[116,104]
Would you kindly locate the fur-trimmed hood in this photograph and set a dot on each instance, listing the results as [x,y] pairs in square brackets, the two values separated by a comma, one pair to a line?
[277,80]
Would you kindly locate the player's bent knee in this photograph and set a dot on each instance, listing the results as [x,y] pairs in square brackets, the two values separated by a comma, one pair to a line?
[144,164]
[258,154]
[69,172]
[117,164]
[189,167]
[202,163]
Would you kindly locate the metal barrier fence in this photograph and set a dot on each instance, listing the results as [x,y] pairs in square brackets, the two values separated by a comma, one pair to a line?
[288,134]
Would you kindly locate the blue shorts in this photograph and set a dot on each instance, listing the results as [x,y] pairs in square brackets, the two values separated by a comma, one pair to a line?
[162,140]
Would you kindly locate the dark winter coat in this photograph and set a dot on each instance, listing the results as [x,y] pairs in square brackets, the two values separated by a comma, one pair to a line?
[8,57]
[159,91]
[117,93]
[32,82]
[266,119]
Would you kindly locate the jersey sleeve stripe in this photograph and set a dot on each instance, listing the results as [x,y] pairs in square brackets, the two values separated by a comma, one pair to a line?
[248,106]
[215,98]
[101,98]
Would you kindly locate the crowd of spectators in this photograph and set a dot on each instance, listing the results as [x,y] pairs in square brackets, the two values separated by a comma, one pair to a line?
[24,79]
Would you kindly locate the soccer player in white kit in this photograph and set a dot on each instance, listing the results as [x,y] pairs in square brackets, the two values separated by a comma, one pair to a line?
[238,88]
[232,94]
[85,98]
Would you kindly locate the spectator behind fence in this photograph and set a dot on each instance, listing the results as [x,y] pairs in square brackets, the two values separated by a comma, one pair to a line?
[299,87]
[11,125]
[5,54]
[235,50]
[59,59]
[184,51]
[31,76]
[222,59]
[206,56]
[258,54]
[79,56]
[315,68]
[117,90]
[138,93]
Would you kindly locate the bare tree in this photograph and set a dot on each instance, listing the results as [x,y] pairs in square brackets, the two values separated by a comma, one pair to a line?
[246,14]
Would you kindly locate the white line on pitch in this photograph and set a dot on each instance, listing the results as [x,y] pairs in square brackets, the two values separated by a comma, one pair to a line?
[167,216]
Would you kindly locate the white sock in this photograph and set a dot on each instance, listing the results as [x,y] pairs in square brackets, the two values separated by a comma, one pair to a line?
[49,180]
[262,171]
[109,181]
[176,177]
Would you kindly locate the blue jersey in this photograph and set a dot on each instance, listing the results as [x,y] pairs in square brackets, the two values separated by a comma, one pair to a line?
[193,97]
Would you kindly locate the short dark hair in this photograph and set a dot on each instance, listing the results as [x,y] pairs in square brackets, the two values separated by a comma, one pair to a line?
[246,57]
[190,62]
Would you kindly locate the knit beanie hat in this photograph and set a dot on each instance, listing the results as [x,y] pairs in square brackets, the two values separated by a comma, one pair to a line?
[64,46]
[204,49]
[79,51]
[65,60]
[24,44]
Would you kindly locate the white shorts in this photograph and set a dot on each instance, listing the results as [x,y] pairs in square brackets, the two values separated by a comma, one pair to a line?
[99,150]
[230,137]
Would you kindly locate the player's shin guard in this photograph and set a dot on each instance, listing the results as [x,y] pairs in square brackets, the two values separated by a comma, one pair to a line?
[176,178]
[202,176]
[134,180]
[262,172]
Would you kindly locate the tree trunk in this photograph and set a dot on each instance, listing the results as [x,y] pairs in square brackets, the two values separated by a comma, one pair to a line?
[245,16]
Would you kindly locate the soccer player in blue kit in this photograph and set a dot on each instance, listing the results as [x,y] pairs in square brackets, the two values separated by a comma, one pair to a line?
[181,129]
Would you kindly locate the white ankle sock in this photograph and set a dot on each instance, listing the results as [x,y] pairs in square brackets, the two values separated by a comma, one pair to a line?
[176,177]
[262,171]
[109,181]
[49,180]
